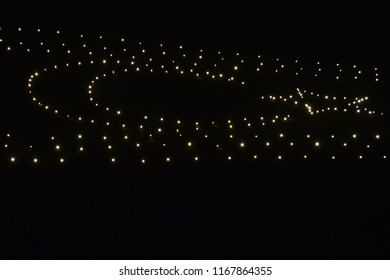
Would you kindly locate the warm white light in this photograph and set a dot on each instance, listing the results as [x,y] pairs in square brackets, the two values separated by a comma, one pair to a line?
[12,159]
[317,144]
[189,144]
[57,147]
[242,144]
[168,159]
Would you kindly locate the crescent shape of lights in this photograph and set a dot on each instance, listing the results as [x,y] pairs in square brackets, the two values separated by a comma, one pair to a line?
[149,138]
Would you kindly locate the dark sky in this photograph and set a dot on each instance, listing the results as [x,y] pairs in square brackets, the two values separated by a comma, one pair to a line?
[224,215]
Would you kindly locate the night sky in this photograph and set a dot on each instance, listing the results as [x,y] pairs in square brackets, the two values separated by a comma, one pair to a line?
[168,178]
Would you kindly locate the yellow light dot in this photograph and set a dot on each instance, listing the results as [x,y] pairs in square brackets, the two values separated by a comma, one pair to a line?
[242,144]
[196,158]
[113,160]
[168,159]
[12,159]
[317,144]
[377,136]
[35,160]
[279,157]
[62,160]
[189,144]
[57,147]
[143,161]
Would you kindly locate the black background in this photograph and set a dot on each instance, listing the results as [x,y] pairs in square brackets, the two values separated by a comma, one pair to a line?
[315,212]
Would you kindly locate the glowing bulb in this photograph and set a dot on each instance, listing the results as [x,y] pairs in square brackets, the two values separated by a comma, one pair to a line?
[189,144]
[12,159]
[242,144]
[317,144]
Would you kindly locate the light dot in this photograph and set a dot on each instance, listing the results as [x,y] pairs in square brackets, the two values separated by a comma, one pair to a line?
[12,159]
[317,144]
[242,144]
[189,144]
[168,159]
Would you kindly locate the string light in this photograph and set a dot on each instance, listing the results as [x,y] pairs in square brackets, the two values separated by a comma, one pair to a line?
[314,104]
